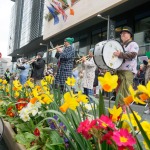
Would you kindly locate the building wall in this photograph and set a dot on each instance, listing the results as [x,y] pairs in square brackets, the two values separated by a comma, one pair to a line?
[84,10]
[26,23]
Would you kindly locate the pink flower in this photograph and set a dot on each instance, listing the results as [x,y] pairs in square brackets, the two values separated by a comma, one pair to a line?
[105,122]
[123,138]
[107,137]
[84,128]
[125,148]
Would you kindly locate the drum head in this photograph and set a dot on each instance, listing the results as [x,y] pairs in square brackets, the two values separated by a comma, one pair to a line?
[110,60]
[1,128]
[98,58]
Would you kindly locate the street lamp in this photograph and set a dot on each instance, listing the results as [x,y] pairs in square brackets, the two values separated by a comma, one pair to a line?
[46,50]
[108,21]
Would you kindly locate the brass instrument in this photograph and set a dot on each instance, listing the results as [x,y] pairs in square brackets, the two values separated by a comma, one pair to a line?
[55,48]
[31,61]
[80,60]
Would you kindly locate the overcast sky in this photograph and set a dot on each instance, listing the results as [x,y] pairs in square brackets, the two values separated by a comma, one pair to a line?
[5,13]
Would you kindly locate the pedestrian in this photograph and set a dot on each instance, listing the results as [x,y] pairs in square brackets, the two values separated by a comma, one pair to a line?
[141,75]
[128,69]
[38,66]
[7,75]
[65,58]
[24,71]
[89,74]
[147,79]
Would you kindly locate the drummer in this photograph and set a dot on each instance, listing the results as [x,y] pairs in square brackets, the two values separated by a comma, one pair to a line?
[129,68]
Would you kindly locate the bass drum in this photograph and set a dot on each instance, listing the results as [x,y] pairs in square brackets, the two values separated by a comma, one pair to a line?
[103,54]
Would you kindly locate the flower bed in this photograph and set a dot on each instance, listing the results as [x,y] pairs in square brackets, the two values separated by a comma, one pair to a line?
[44,118]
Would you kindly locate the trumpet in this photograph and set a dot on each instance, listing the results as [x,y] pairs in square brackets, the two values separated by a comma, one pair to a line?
[55,48]
[80,60]
[31,61]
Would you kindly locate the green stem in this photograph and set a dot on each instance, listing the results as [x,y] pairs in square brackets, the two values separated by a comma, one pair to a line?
[99,146]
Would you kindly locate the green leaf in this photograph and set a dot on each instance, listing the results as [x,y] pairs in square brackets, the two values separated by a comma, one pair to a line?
[22,127]
[141,129]
[35,147]
[101,105]
[25,138]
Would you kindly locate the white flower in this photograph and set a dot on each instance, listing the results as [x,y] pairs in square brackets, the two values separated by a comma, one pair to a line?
[25,117]
[34,111]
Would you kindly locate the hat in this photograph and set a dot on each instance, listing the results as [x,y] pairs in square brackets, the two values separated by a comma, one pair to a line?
[91,50]
[127,29]
[40,54]
[69,40]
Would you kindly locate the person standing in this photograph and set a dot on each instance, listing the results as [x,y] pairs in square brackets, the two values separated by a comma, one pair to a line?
[65,63]
[24,71]
[147,79]
[89,73]
[7,75]
[38,66]
[128,69]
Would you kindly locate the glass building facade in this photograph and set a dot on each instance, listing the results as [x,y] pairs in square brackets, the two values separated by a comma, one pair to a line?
[26,23]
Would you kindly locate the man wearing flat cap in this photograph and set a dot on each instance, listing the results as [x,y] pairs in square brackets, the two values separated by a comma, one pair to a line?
[38,66]
[128,69]
[65,58]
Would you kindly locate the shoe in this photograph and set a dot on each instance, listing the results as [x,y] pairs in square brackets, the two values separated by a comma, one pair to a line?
[147,112]
[112,98]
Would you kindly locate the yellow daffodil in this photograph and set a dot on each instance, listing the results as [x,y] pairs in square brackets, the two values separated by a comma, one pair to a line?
[4,82]
[125,118]
[46,99]
[71,81]
[81,97]
[1,80]
[145,89]
[29,83]
[115,113]
[16,94]
[43,82]
[17,85]
[70,102]
[146,127]
[108,82]
[132,97]
[49,79]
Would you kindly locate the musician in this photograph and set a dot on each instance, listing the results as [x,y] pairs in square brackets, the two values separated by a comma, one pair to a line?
[89,73]
[24,71]
[38,66]
[129,68]
[7,75]
[65,62]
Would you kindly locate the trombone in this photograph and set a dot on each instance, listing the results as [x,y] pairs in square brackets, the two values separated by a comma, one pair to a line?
[50,50]
[80,60]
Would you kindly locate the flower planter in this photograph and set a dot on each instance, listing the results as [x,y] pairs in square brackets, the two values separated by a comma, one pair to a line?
[8,137]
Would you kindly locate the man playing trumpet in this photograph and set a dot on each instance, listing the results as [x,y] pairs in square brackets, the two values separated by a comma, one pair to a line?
[38,66]
[24,71]
[89,73]
[65,62]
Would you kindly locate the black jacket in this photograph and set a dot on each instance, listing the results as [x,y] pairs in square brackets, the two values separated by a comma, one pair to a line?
[38,69]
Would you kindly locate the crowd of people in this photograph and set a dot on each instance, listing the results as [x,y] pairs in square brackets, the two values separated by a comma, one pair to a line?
[87,74]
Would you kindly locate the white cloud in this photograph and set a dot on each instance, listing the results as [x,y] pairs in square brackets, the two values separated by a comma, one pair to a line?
[5,14]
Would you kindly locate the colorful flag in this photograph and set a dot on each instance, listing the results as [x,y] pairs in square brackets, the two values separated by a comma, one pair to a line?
[70,6]
[59,5]
[52,11]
